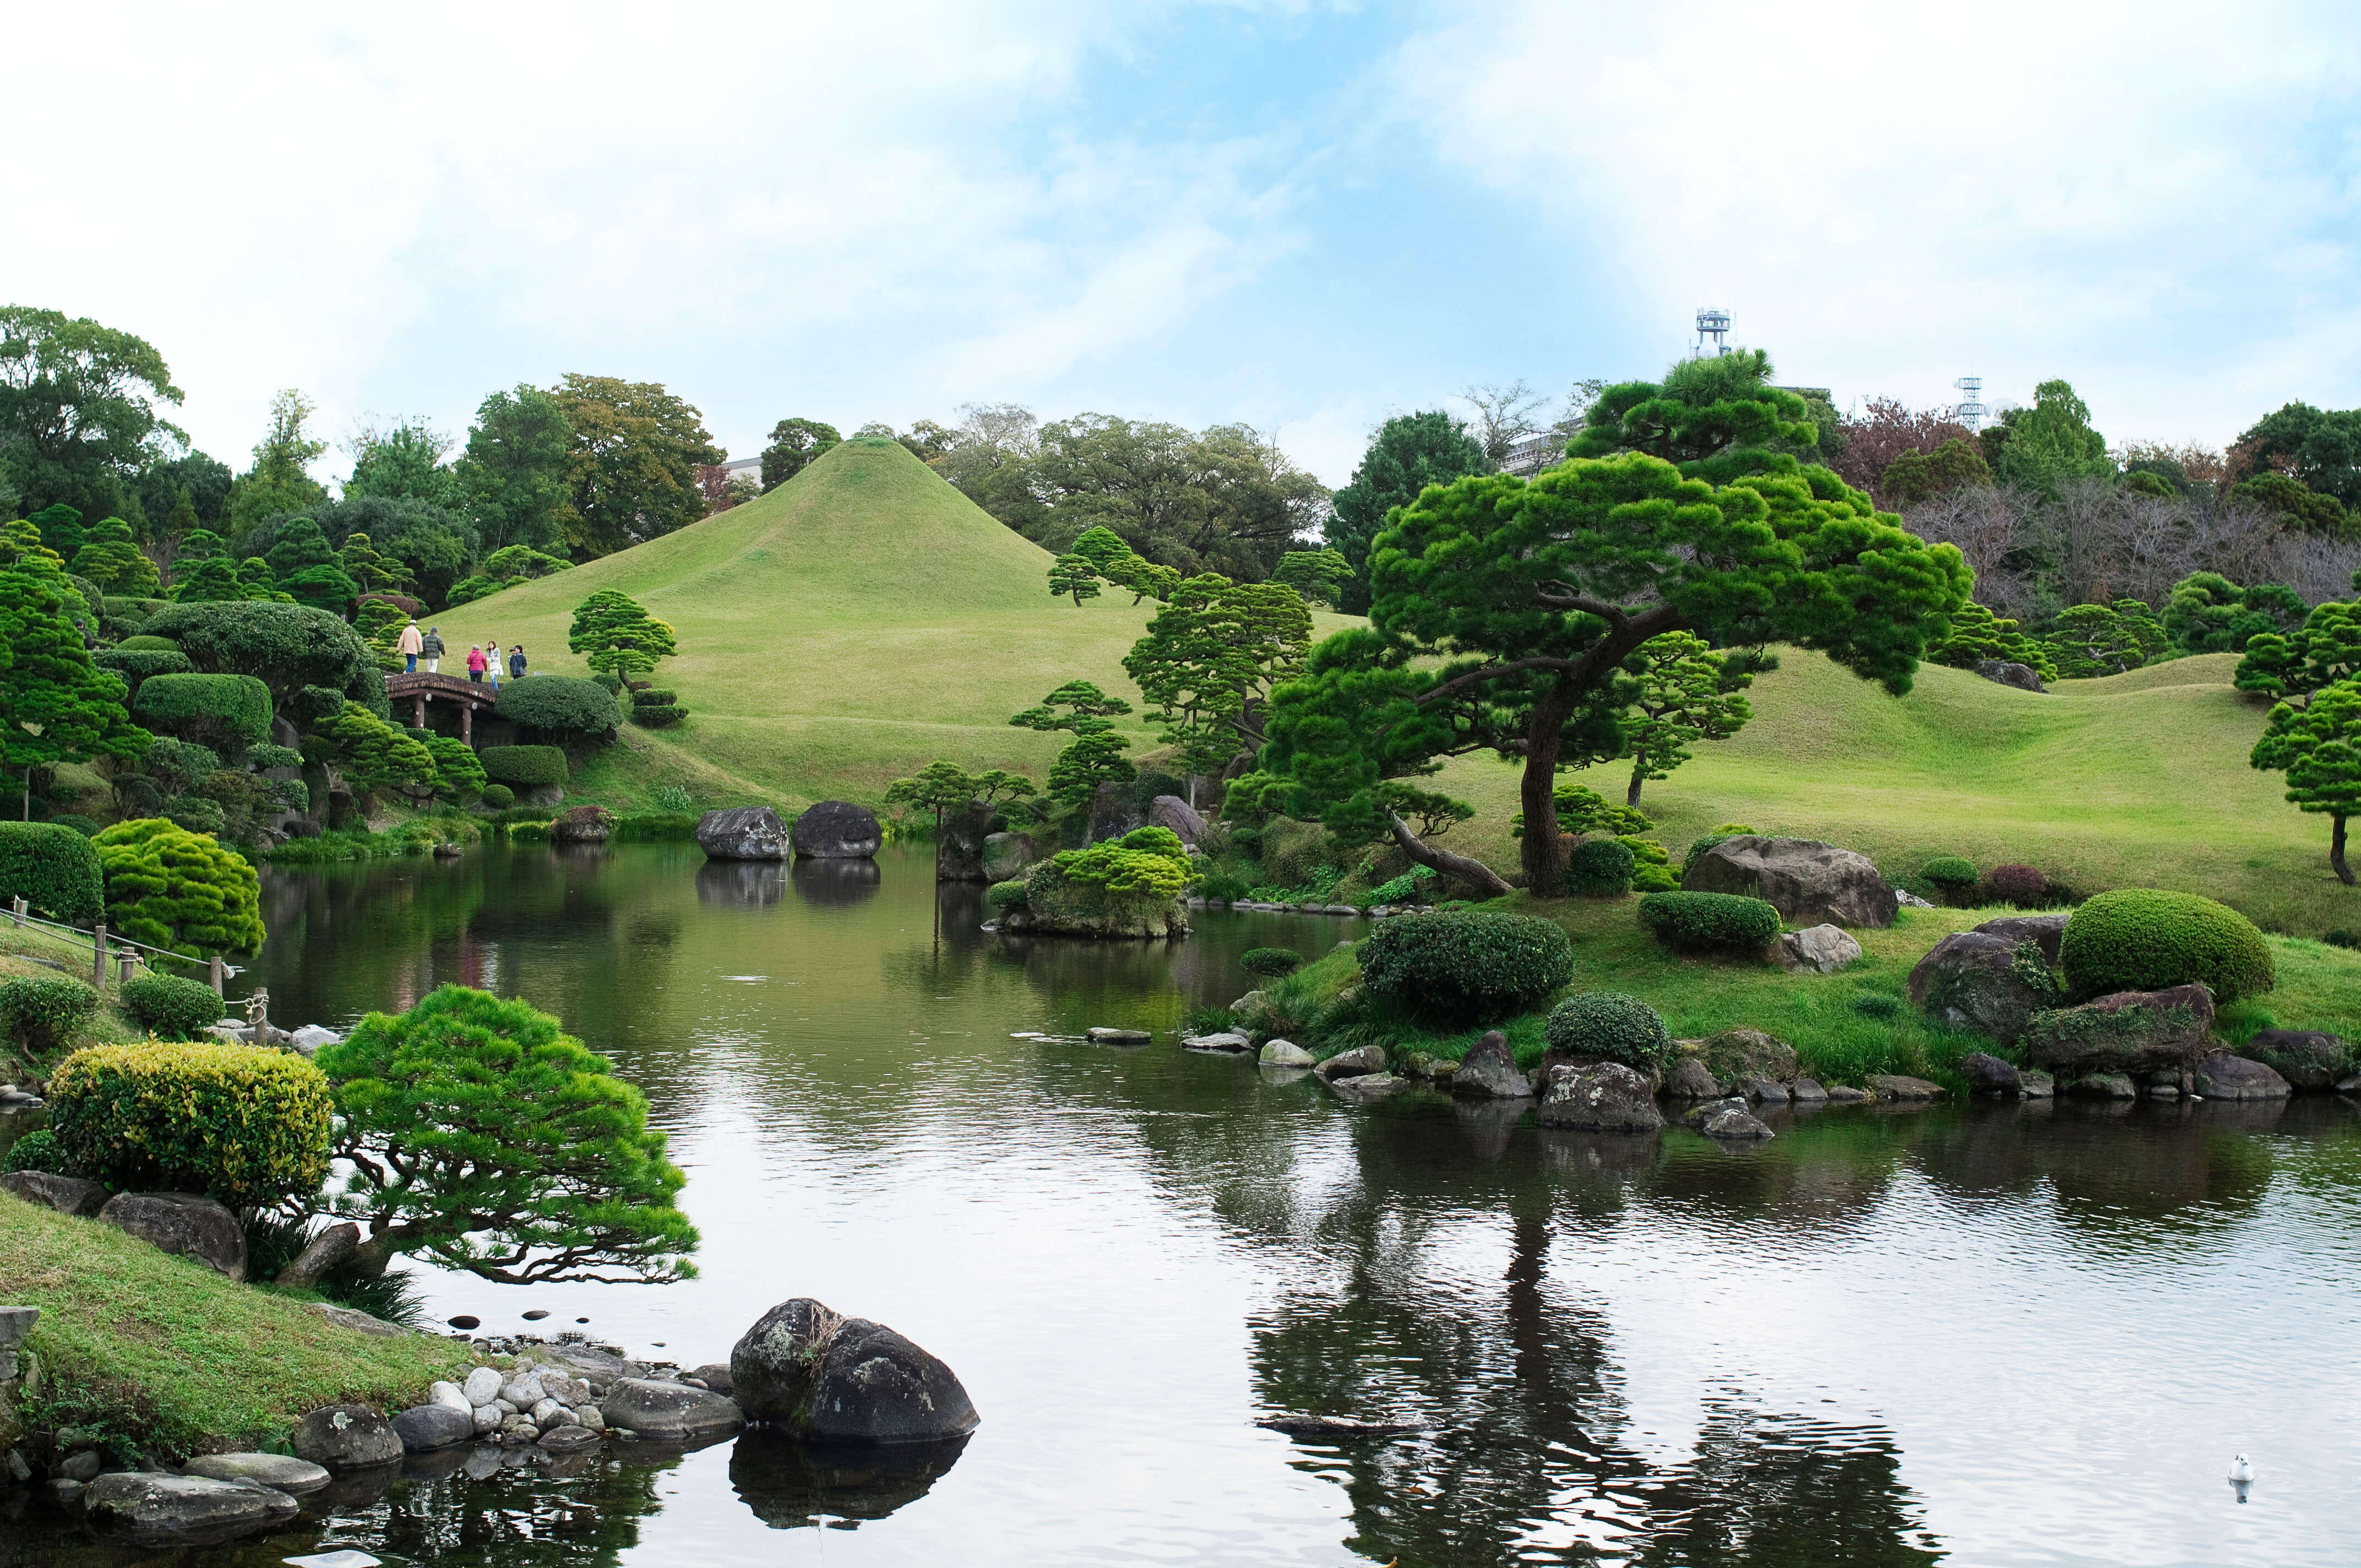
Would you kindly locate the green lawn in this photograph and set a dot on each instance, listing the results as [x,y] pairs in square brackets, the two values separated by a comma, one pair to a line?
[147,1346]
[866,618]
[2319,988]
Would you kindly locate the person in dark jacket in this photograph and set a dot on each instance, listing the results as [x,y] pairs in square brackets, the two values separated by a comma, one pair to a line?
[430,648]
[516,663]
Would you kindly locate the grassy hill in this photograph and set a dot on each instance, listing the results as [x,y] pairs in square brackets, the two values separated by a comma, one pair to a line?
[866,618]
[854,625]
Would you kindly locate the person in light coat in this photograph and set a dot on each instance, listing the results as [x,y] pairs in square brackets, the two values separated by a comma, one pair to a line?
[407,647]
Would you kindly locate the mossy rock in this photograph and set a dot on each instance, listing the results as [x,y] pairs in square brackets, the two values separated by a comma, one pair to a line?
[1737,1054]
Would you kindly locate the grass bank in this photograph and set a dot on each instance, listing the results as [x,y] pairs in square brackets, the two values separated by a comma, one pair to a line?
[139,1349]
[1845,1026]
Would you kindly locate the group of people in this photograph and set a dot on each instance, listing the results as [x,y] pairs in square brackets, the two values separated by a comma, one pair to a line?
[483,658]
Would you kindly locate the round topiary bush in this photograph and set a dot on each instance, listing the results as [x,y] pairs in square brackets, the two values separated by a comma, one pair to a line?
[1600,867]
[1471,966]
[523,767]
[40,1013]
[1606,1026]
[657,716]
[1710,922]
[2016,884]
[170,1007]
[171,888]
[2146,939]
[37,1150]
[248,1127]
[498,796]
[53,869]
[143,643]
[1003,896]
[1270,963]
[559,704]
[1953,875]
[137,664]
[226,713]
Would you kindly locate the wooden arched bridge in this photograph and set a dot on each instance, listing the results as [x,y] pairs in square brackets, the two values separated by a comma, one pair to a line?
[420,688]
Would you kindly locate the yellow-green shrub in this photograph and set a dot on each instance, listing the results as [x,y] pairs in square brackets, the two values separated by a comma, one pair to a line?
[171,888]
[245,1125]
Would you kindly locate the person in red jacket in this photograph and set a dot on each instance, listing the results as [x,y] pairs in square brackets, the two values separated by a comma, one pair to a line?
[477,663]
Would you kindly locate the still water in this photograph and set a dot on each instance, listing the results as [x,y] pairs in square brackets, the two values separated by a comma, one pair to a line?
[1986,1335]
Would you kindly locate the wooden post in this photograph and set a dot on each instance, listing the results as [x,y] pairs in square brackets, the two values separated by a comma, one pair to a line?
[468,720]
[217,974]
[125,961]
[98,956]
[417,712]
[16,910]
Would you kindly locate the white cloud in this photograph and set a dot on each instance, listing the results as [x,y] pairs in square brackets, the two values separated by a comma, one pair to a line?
[2156,201]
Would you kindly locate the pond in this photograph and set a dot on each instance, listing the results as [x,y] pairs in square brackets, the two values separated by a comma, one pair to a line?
[1984,1335]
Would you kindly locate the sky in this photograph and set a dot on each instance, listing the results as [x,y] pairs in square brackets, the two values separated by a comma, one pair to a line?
[1303,218]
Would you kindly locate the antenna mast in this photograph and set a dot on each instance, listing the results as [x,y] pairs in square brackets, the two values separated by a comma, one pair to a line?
[1970,410]
[1714,323]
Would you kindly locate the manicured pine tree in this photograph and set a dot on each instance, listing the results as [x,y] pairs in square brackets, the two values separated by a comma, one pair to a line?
[113,560]
[1073,574]
[2319,749]
[1686,692]
[616,636]
[55,705]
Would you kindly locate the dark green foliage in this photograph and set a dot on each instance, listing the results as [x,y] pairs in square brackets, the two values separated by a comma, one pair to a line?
[41,1013]
[458,775]
[1472,966]
[1408,453]
[559,704]
[609,681]
[1270,962]
[1877,1005]
[37,1150]
[650,696]
[2024,886]
[246,1127]
[1003,896]
[1210,661]
[794,444]
[275,1238]
[224,713]
[1222,887]
[2323,444]
[657,715]
[54,869]
[55,703]
[2048,444]
[1600,867]
[373,754]
[270,756]
[1606,1026]
[171,888]
[2146,939]
[524,767]
[2324,653]
[2349,940]
[1710,922]
[498,796]
[1702,409]
[1976,634]
[1916,477]
[483,1138]
[170,1007]
[1952,873]
[615,634]
[143,643]
[1153,782]
[1074,575]
[2091,640]
[198,814]
[74,822]
[137,664]
[2208,613]
[286,646]
[2318,746]
[2297,504]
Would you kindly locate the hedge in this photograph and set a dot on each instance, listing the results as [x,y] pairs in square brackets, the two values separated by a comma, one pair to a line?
[171,888]
[143,643]
[286,646]
[40,1013]
[1955,874]
[246,1127]
[137,664]
[523,767]
[1270,963]
[1003,896]
[224,712]
[172,1006]
[1709,922]
[1609,1026]
[559,704]
[1476,966]
[37,1150]
[2145,940]
[53,869]
[1600,867]
[658,717]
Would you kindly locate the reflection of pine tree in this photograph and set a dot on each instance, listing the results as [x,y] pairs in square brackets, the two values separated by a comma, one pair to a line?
[577,1513]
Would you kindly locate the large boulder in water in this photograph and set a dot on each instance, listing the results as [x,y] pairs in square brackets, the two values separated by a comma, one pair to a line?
[1607,1097]
[345,1437]
[157,1509]
[1007,856]
[2309,1059]
[1809,882]
[1488,1069]
[743,833]
[1171,811]
[668,1411]
[1972,979]
[2221,1076]
[836,830]
[810,1371]
[959,852]
[2131,1031]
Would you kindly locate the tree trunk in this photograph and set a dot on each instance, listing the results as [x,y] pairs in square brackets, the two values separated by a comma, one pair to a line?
[1443,860]
[1638,777]
[2337,850]
[1544,861]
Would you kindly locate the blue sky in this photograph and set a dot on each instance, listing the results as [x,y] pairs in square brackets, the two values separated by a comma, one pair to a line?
[1301,217]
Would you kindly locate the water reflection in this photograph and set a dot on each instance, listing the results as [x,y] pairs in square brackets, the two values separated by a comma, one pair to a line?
[790,1484]
[744,885]
[835,883]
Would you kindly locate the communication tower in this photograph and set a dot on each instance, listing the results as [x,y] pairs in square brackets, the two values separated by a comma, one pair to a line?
[1970,410]
[1715,324]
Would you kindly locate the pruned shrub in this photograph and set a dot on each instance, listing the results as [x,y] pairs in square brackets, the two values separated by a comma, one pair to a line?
[1606,1026]
[144,644]
[523,767]
[286,646]
[2146,939]
[1600,867]
[498,796]
[1221,887]
[1709,922]
[1003,896]
[197,814]
[171,888]
[2021,885]
[657,716]
[270,756]
[1270,963]
[1652,865]
[226,713]
[1475,966]
[246,1127]
[53,869]
[139,664]
[459,773]
[170,1007]
[559,704]
[650,696]
[73,822]
[37,1150]
[1952,875]
[41,1013]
